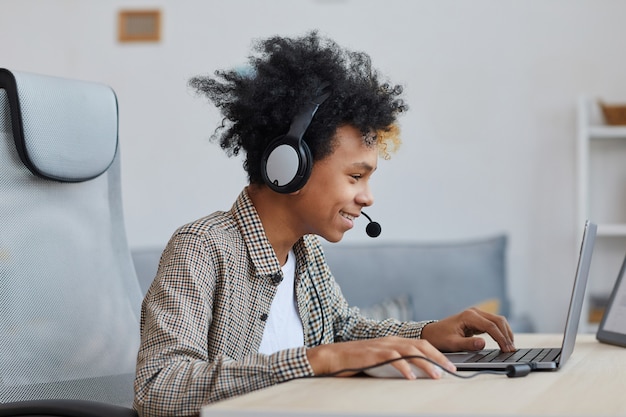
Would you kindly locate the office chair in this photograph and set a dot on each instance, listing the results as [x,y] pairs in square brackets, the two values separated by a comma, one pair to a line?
[69,296]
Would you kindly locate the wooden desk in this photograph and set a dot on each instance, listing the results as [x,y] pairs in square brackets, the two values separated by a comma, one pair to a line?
[592,383]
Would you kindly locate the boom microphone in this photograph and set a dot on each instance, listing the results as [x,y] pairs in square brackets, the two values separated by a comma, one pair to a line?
[372,229]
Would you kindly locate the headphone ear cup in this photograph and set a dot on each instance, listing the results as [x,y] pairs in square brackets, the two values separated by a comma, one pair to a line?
[286,164]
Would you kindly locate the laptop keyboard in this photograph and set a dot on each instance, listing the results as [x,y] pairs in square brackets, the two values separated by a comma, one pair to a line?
[520,355]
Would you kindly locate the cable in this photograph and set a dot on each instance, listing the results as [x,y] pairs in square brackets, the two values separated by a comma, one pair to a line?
[511,371]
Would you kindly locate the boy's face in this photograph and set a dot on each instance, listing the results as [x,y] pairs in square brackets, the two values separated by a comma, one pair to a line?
[338,187]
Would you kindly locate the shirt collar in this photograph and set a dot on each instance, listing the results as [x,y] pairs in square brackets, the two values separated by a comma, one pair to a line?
[259,248]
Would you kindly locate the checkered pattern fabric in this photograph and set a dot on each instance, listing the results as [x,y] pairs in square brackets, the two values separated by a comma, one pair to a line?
[203,317]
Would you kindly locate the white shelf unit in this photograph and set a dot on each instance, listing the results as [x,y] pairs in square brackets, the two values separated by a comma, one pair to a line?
[601,183]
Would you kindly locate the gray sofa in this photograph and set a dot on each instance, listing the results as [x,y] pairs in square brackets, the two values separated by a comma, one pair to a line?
[419,280]
[408,280]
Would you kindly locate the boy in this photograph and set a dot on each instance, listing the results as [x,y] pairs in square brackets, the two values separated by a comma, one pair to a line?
[244,299]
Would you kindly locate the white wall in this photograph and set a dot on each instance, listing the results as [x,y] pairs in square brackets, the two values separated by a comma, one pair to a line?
[488,142]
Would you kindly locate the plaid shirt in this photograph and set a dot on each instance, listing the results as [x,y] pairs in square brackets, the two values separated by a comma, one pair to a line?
[202,319]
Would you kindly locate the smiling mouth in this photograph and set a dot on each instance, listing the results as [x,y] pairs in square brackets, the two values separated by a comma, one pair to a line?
[347,216]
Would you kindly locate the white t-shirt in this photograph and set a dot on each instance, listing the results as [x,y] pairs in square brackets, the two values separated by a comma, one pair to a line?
[283,328]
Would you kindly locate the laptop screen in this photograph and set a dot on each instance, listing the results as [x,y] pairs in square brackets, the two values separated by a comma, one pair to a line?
[578,292]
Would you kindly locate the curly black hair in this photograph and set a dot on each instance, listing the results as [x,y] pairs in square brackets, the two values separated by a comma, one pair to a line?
[285,73]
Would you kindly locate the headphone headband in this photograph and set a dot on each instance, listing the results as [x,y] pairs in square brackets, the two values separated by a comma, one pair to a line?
[302,120]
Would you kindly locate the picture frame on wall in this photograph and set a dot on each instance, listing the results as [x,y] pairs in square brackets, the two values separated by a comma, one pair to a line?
[139,26]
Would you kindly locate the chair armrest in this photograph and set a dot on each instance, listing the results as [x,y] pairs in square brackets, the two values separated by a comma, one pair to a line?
[64,408]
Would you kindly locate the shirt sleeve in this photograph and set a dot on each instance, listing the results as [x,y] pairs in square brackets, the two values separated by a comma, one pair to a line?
[181,364]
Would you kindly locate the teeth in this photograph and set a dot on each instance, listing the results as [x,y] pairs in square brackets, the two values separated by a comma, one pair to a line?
[347,216]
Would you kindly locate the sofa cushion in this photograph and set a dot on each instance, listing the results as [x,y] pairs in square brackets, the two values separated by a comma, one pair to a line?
[400,308]
[441,278]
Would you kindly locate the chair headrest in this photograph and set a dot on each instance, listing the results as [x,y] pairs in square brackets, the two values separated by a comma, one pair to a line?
[64,130]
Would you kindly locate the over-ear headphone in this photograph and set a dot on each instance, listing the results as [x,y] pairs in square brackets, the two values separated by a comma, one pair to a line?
[287,162]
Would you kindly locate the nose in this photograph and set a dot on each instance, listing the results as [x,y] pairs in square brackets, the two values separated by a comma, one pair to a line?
[365,198]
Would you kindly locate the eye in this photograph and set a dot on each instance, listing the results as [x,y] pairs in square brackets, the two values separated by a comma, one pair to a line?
[356,177]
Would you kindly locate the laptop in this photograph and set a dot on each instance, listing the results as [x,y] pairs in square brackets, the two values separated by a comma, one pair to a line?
[549,359]
[612,328]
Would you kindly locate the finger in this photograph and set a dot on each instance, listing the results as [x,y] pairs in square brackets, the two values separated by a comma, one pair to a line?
[433,370]
[497,327]
[441,361]
[405,369]
[417,367]
[501,322]
[414,352]
[471,343]
[506,330]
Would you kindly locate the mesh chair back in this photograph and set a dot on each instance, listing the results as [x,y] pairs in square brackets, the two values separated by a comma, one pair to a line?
[69,296]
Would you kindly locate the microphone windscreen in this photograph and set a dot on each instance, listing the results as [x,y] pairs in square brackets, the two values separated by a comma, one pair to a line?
[373,229]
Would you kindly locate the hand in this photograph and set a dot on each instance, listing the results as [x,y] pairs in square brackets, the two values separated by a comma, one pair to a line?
[329,358]
[456,333]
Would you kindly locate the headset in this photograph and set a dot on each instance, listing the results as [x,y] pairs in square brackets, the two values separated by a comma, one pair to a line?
[287,162]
